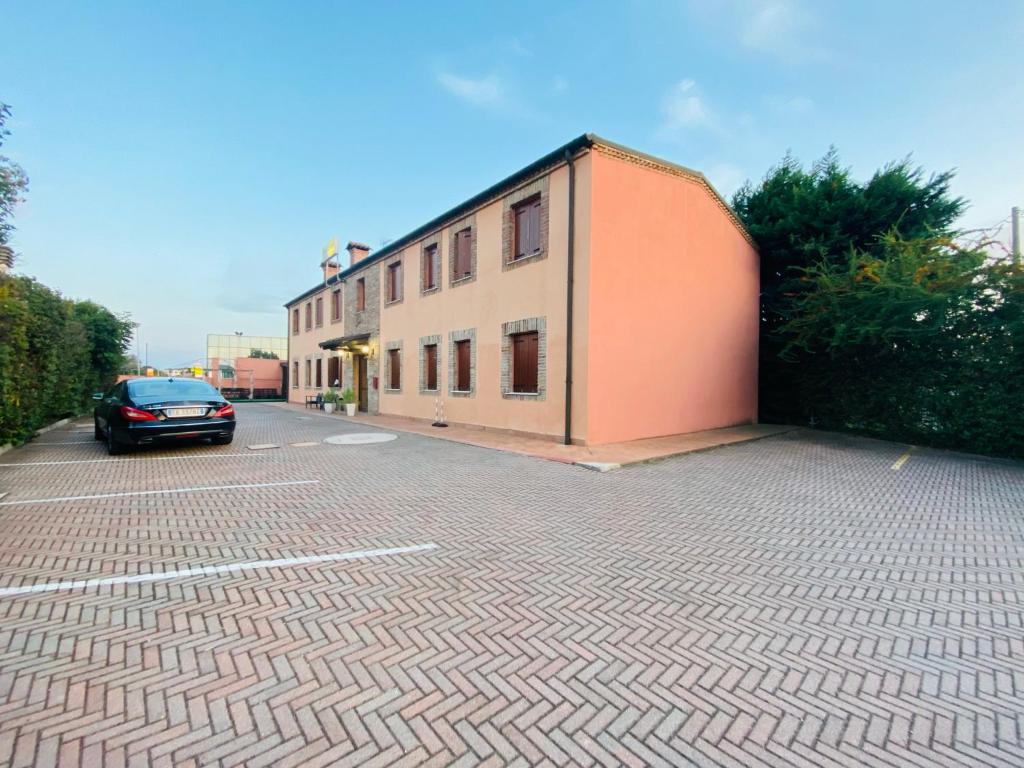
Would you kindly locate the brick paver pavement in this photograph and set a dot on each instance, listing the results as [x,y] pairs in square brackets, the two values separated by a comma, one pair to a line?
[792,601]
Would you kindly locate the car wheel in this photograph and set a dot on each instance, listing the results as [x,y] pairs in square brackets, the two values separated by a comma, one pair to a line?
[113,447]
[96,431]
[222,440]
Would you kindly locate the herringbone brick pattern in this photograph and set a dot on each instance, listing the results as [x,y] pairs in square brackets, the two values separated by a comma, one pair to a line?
[792,601]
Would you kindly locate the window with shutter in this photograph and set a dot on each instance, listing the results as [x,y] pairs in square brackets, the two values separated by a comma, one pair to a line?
[295,373]
[319,373]
[361,294]
[527,228]
[524,362]
[429,267]
[309,315]
[395,281]
[395,368]
[319,311]
[295,320]
[309,375]
[463,254]
[430,363]
[336,305]
[462,363]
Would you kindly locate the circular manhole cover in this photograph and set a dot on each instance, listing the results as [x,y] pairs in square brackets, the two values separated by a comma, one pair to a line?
[360,438]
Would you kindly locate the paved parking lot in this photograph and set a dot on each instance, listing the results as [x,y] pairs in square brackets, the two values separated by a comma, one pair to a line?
[793,601]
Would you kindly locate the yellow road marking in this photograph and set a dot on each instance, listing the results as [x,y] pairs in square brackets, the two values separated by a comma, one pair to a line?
[901,461]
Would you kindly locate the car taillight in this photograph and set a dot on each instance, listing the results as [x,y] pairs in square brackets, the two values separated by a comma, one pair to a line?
[227,410]
[134,414]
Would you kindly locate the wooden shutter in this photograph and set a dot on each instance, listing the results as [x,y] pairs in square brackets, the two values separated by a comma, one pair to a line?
[430,361]
[521,225]
[361,294]
[336,305]
[395,281]
[533,215]
[319,311]
[309,316]
[463,246]
[395,365]
[462,366]
[527,228]
[295,320]
[524,362]
[429,257]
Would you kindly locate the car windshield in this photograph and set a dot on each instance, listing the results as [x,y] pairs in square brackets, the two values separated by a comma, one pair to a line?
[170,388]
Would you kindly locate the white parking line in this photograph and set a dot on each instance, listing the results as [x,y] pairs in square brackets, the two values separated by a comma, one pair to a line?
[129,458]
[156,493]
[212,569]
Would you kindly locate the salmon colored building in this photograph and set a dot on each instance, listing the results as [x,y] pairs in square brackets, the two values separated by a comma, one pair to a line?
[598,295]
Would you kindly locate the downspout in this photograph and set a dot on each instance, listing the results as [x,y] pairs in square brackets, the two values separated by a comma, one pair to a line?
[568,297]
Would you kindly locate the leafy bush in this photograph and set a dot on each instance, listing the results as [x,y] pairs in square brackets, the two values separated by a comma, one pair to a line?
[875,319]
[53,354]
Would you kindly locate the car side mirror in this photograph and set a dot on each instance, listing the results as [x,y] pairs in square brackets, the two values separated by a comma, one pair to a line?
[97,395]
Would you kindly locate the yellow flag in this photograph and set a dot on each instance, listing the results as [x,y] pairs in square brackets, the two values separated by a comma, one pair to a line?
[332,249]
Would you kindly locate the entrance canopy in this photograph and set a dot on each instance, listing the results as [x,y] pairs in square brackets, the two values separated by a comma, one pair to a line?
[356,343]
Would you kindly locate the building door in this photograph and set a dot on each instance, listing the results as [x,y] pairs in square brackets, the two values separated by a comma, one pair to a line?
[359,364]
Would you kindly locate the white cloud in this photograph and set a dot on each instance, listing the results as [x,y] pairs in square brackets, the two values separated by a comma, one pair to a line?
[481,92]
[793,105]
[683,109]
[785,29]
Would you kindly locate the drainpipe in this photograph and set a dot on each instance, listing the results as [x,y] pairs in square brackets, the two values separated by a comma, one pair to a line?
[568,298]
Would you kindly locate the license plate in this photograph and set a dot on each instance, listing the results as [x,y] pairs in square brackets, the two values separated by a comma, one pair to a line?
[184,413]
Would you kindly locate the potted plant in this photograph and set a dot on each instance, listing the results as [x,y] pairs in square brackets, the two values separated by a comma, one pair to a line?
[330,399]
[348,397]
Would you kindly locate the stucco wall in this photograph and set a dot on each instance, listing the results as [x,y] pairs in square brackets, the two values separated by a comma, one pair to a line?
[495,297]
[305,345]
[673,307]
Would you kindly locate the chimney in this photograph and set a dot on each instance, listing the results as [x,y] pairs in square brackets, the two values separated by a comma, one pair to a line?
[331,267]
[357,252]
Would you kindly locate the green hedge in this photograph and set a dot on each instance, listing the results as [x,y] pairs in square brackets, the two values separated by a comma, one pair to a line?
[54,353]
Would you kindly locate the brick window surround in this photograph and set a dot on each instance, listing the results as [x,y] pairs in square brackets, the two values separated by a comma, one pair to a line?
[426,341]
[434,242]
[386,272]
[468,223]
[537,187]
[468,334]
[389,347]
[508,330]
[336,305]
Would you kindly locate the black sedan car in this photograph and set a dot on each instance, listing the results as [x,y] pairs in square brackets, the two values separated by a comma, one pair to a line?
[146,411]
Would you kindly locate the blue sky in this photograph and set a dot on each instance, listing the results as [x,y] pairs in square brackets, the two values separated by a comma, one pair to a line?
[189,161]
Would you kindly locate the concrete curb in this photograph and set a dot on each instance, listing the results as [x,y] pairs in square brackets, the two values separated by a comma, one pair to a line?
[41,431]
